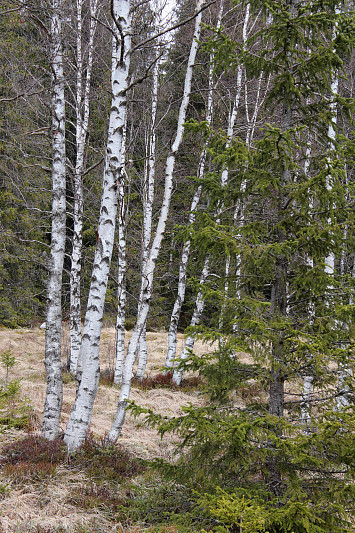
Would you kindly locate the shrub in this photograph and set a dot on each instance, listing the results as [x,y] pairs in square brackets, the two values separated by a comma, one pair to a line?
[94,496]
[34,449]
[165,381]
[103,460]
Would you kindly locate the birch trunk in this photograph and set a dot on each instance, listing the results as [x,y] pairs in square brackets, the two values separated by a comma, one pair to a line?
[82,122]
[307,387]
[199,306]
[180,298]
[54,394]
[80,416]
[154,251]
[121,287]
[200,303]
[148,199]
[343,373]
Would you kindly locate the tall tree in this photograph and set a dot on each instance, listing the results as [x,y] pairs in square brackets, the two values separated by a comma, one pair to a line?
[257,459]
[156,244]
[54,394]
[182,282]
[80,416]
[82,111]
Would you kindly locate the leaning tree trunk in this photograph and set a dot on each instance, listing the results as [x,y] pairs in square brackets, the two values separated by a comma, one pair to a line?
[180,298]
[155,248]
[148,199]
[54,394]
[80,416]
[82,122]
[200,301]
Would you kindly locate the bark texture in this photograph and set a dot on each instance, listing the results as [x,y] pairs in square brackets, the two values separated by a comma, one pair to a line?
[82,121]
[54,394]
[80,416]
[154,251]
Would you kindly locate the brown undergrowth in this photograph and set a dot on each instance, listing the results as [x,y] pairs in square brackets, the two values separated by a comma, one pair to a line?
[42,490]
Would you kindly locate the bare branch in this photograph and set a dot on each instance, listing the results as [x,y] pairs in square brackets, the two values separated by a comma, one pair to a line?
[93,166]
[174,27]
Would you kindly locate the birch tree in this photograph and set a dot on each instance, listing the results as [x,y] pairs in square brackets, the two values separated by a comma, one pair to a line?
[200,300]
[80,416]
[148,199]
[182,282]
[82,111]
[156,244]
[54,393]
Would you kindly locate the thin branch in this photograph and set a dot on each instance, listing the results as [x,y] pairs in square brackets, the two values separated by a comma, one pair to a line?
[174,27]
[145,75]
[10,10]
[19,96]
[93,166]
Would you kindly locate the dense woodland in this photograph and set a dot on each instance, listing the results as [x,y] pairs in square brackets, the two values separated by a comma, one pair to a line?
[190,168]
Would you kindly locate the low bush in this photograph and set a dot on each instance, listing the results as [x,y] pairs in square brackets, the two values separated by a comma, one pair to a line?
[165,381]
[26,472]
[106,461]
[34,449]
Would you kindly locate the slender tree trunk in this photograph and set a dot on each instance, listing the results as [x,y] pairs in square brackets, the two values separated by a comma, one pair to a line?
[148,199]
[80,416]
[307,387]
[199,306]
[180,298]
[279,308]
[54,394]
[200,303]
[121,287]
[154,251]
[82,122]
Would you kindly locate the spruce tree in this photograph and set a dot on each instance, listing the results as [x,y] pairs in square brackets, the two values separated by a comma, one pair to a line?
[254,462]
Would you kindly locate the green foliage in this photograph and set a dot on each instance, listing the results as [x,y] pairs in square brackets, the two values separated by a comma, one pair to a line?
[259,457]
[15,410]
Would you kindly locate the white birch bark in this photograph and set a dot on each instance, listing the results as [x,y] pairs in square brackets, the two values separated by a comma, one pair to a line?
[307,387]
[148,199]
[180,298]
[80,416]
[54,393]
[190,340]
[155,247]
[121,287]
[200,302]
[82,122]
[343,372]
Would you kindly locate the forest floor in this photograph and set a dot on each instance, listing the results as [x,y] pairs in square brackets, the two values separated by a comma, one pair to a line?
[31,504]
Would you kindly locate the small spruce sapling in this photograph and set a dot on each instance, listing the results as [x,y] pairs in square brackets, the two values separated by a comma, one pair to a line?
[14,410]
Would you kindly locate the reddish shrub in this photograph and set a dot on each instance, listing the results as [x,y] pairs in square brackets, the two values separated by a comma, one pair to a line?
[103,460]
[34,449]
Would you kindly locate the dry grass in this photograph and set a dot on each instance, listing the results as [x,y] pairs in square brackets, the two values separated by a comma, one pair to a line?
[42,506]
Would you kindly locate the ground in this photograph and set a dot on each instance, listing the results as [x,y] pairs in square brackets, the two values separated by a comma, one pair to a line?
[43,506]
